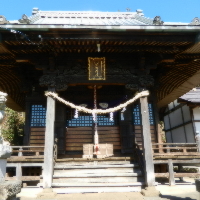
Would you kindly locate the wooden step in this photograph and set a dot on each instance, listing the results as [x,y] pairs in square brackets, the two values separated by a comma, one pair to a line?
[63,166]
[97,175]
[96,189]
[98,184]
[80,159]
[81,175]
[94,171]
[105,162]
[112,179]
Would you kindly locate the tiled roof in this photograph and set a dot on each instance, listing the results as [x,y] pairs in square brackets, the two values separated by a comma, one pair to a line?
[94,18]
[193,96]
[89,18]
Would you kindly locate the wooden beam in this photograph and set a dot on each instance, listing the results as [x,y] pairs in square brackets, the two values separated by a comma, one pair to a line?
[194,161]
[177,175]
[177,154]
[175,157]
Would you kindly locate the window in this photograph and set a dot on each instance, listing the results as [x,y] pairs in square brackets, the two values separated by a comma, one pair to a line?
[38,115]
[151,115]
[86,119]
[137,115]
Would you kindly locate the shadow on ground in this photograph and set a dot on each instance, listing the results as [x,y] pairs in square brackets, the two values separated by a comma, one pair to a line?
[177,198]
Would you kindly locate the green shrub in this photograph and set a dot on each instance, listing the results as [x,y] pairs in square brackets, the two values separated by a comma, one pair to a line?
[13,127]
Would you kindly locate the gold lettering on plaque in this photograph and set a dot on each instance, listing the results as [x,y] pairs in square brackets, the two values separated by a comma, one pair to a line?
[96,67]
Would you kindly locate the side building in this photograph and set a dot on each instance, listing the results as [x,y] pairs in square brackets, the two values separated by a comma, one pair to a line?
[182,118]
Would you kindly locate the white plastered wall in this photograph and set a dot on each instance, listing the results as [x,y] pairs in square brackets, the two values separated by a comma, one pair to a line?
[184,133]
[196,114]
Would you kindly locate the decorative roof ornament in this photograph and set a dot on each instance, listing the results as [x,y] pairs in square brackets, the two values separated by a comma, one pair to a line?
[140,12]
[3,20]
[24,19]
[35,11]
[195,21]
[157,21]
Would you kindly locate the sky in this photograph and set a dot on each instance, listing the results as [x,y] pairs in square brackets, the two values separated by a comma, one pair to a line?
[168,10]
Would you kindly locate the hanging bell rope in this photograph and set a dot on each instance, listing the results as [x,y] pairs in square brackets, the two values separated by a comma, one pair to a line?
[98,111]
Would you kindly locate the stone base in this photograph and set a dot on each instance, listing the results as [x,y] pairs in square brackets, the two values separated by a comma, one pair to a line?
[46,193]
[9,189]
[3,163]
[150,192]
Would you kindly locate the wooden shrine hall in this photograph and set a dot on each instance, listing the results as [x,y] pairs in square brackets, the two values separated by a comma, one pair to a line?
[94,79]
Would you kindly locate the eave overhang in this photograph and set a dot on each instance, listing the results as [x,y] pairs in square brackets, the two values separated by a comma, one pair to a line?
[145,28]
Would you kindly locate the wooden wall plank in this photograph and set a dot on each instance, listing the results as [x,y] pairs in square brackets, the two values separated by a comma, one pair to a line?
[37,129]
[79,128]
[37,137]
[37,142]
[71,136]
[81,148]
[108,128]
[80,132]
[76,137]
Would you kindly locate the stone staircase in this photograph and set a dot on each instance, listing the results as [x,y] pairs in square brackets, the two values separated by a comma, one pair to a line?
[114,174]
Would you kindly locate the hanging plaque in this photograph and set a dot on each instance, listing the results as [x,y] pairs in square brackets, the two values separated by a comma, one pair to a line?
[96,67]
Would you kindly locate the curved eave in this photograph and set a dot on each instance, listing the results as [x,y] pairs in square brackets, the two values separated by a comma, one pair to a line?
[156,28]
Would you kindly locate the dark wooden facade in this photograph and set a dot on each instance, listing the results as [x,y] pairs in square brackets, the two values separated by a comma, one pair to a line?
[51,51]
[35,56]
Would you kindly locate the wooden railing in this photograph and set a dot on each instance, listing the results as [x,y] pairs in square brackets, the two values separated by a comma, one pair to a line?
[173,154]
[138,155]
[28,151]
[173,149]
[30,157]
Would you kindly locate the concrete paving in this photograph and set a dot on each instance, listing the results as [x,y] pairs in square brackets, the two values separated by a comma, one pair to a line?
[184,190]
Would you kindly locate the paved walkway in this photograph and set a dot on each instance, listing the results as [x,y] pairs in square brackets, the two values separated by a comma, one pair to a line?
[185,190]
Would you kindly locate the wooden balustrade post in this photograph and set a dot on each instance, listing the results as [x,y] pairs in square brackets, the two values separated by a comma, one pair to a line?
[18,171]
[20,151]
[147,145]
[171,173]
[197,137]
[49,143]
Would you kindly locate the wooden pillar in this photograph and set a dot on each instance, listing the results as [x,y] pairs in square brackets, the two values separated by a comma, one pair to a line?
[26,139]
[60,127]
[147,145]
[158,128]
[49,142]
[157,123]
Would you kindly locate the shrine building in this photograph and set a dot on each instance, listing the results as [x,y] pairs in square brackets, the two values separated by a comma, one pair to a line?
[96,85]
